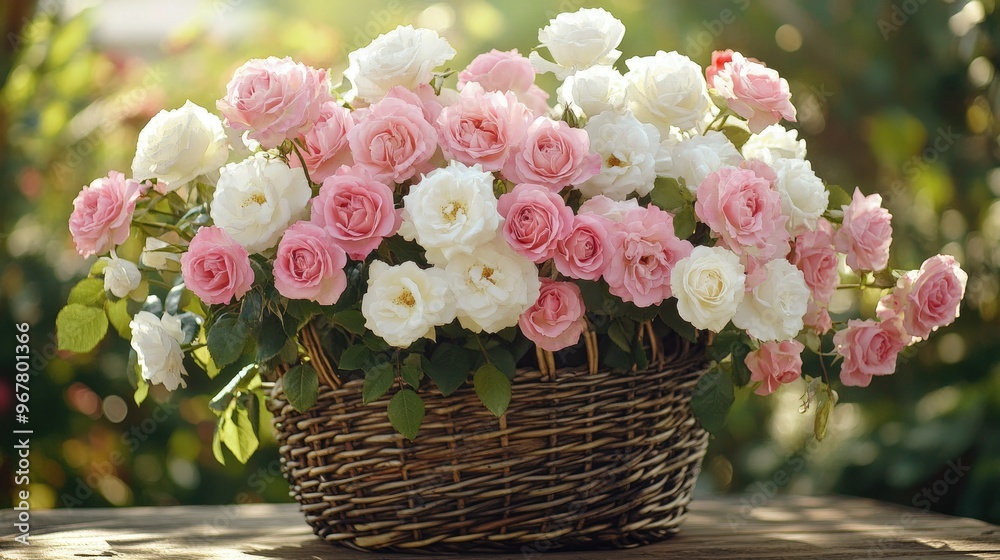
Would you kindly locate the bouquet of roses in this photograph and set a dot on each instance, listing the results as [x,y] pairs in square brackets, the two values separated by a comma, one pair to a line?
[431,232]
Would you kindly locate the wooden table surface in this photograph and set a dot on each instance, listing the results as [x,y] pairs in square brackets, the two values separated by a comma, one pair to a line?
[784,527]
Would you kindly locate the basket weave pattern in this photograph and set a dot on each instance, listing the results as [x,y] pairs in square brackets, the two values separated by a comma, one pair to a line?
[580,460]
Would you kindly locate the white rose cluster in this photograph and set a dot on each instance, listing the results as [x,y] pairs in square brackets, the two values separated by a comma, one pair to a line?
[666,90]
[579,40]
[402,57]
[157,345]
[177,146]
[121,276]
[628,151]
[773,310]
[257,199]
[450,211]
[709,287]
[804,198]
[594,90]
[404,303]
[696,157]
[773,143]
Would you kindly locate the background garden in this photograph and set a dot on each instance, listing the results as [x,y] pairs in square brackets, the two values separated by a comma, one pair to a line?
[900,98]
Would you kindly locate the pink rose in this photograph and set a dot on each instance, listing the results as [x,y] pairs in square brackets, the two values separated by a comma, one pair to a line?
[309,265]
[866,233]
[816,257]
[719,61]
[506,71]
[585,252]
[275,99]
[483,127]
[555,321]
[102,213]
[742,209]
[423,96]
[612,210]
[552,154]
[869,348]
[645,251]
[393,141]
[534,220]
[356,211]
[775,363]
[754,91]
[326,147]
[216,268]
[927,299]
[817,318]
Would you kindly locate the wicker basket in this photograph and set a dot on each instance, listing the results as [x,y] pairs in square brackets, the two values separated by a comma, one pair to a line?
[581,460]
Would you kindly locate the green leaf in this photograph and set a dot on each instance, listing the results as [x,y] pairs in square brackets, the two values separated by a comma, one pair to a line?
[80,328]
[352,321]
[618,359]
[239,431]
[741,373]
[596,296]
[301,386]
[118,315]
[406,413]
[378,379]
[217,441]
[493,388]
[98,267]
[449,367]
[355,357]
[738,136]
[141,392]
[670,317]
[712,398]
[621,336]
[669,195]
[271,337]
[89,291]
[827,400]
[374,342]
[838,197]
[684,222]
[227,339]
[413,370]
[172,303]
[722,344]
[503,360]
[252,307]
[639,354]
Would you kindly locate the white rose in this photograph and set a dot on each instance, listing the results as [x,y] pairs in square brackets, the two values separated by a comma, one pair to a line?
[402,57]
[774,142]
[579,40]
[450,211]
[695,158]
[157,344]
[666,90]
[774,309]
[404,303]
[177,146]
[628,151]
[594,90]
[155,257]
[709,287]
[120,276]
[492,286]
[803,196]
[257,199]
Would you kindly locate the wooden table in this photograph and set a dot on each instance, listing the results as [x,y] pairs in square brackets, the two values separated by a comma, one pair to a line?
[784,527]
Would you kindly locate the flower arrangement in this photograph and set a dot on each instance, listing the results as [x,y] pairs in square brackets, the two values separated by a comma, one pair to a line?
[437,234]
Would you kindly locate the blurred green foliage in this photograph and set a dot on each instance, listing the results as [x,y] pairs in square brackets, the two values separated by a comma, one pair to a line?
[898,98]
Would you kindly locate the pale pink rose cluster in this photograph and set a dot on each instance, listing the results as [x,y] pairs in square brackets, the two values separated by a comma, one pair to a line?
[754,91]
